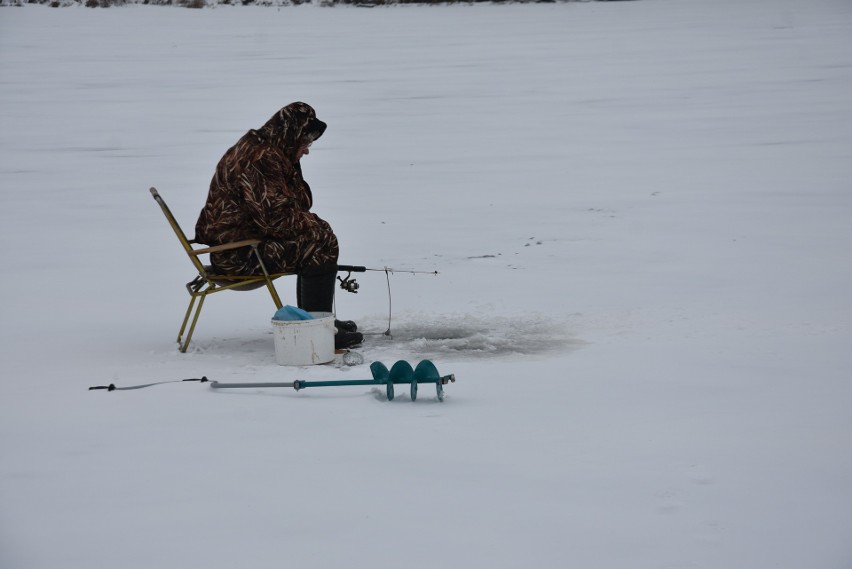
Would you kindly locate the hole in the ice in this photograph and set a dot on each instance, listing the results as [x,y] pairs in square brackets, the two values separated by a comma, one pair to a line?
[470,335]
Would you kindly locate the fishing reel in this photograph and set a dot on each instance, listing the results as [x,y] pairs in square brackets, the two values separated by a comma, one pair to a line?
[349,284]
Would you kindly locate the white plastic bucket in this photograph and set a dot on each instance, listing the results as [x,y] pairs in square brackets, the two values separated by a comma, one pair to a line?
[304,342]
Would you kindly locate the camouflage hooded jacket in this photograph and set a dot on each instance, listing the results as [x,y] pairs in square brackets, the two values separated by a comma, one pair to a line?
[258,192]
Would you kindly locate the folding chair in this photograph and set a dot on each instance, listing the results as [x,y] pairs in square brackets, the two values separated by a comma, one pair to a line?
[208,282]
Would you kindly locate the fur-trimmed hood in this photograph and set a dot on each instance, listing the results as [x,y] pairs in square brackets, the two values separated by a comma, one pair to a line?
[292,127]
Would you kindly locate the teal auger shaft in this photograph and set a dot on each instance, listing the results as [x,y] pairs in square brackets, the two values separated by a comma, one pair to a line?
[303,384]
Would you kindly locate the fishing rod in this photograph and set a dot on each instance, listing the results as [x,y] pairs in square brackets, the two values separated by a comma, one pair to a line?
[349,284]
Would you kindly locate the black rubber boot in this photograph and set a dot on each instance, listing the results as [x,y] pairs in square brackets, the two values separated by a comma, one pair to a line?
[315,293]
[344,339]
[346,325]
[315,289]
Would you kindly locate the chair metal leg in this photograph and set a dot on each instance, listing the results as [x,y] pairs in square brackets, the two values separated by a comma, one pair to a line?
[185,320]
[275,298]
[185,345]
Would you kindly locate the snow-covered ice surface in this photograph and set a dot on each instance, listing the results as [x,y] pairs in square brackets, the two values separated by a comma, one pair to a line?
[640,212]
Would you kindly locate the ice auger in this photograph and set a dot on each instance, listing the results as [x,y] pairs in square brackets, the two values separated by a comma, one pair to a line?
[400,373]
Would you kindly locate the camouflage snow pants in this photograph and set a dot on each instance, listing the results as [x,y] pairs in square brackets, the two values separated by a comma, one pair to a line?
[279,256]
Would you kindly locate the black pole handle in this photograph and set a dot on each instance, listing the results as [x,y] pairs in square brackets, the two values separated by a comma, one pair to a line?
[202,379]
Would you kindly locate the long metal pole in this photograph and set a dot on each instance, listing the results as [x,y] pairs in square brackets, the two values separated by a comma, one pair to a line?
[220,385]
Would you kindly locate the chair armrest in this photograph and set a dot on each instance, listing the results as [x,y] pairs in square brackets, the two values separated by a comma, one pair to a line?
[225,247]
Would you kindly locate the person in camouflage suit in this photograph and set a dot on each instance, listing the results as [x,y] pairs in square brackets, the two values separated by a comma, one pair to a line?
[258,192]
